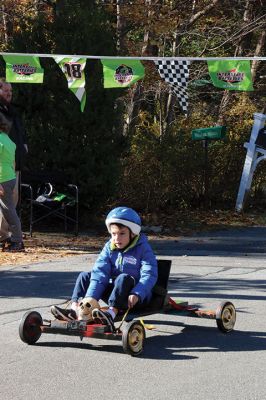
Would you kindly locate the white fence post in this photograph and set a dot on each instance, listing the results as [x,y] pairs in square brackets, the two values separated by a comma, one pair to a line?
[251,161]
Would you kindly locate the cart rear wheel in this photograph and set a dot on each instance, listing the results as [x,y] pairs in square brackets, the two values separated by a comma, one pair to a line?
[133,338]
[29,327]
[226,316]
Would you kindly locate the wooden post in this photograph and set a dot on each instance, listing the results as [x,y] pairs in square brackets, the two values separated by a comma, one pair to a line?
[252,160]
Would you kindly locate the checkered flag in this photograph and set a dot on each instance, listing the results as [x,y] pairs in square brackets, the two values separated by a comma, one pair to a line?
[176,73]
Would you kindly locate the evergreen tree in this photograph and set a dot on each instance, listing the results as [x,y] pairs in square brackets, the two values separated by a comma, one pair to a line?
[84,145]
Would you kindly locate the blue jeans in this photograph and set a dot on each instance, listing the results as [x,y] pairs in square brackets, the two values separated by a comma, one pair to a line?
[115,295]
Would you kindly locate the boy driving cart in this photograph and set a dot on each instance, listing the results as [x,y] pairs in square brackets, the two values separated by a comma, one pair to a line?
[123,275]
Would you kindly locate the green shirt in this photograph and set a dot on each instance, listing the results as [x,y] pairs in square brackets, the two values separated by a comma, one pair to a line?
[7,158]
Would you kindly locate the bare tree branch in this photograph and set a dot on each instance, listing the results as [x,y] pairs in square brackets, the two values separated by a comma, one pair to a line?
[242,32]
[202,12]
[258,51]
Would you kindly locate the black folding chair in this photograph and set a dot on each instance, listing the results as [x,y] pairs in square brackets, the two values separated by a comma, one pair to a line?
[45,195]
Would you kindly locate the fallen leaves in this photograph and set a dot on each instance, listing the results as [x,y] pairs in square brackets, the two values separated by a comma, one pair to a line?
[50,246]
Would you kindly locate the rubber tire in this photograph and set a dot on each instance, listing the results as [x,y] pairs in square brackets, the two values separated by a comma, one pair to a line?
[132,346]
[29,327]
[226,316]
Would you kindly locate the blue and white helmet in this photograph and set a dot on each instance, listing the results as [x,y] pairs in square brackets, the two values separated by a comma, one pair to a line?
[125,216]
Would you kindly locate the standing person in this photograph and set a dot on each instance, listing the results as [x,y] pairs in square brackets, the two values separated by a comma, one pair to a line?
[7,185]
[18,136]
[123,276]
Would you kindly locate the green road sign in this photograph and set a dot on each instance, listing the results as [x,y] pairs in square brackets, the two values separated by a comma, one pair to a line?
[213,133]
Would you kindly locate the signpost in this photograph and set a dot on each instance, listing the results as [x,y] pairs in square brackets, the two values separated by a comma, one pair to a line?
[207,134]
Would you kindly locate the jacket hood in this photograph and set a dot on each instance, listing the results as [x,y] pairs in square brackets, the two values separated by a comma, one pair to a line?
[137,241]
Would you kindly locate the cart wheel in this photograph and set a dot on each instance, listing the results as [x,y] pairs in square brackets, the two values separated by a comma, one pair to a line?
[133,338]
[226,316]
[29,327]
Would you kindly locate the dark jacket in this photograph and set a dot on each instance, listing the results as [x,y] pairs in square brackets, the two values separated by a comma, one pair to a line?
[17,133]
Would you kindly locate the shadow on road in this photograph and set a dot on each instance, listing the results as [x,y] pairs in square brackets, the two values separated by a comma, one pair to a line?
[37,284]
[202,339]
[191,339]
[202,287]
[59,285]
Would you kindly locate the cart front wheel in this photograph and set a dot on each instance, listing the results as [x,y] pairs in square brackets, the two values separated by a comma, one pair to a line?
[133,338]
[226,316]
[30,327]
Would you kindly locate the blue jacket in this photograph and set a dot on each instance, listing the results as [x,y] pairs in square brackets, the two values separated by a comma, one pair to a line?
[137,260]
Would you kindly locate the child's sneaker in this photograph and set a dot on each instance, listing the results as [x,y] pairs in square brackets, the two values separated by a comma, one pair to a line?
[63,314]
[104,317]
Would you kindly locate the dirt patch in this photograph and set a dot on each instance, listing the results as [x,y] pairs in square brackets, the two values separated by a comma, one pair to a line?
[50,246]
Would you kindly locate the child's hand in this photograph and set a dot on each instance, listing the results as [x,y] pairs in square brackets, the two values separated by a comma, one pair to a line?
[132,300]
[2,192]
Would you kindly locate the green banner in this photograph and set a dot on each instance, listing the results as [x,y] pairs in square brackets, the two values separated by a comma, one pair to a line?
[23,69]
[73,68]
[231,75]
[121,73]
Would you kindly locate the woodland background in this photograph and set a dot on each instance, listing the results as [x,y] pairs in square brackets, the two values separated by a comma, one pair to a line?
[133,146]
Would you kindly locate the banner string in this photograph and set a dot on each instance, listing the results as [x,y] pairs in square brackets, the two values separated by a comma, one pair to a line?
[136,58]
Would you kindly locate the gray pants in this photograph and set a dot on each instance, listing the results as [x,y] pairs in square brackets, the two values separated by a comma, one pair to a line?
[8,210]
[4,228]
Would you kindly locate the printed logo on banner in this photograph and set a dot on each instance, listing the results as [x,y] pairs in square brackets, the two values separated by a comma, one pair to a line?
[123,74]
[23,69]
[232,76]
[120,73]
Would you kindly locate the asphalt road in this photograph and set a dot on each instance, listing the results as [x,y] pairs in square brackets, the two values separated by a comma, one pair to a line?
[184,358]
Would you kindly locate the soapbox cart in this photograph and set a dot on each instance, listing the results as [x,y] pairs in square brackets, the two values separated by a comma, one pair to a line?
[132,334]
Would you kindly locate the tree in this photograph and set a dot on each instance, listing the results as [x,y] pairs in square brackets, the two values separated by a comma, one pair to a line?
[83,145]
[138,141]
[198,28]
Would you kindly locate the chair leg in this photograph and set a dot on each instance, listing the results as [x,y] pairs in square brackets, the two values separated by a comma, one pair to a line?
[77,208]
[65,218]
[77,216]
[31,211]
[31,206]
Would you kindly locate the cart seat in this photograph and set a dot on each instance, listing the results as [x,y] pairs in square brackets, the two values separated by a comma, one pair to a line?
[159,294]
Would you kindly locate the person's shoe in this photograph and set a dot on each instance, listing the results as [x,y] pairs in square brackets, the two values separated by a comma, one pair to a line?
[63,314]
[13,247]
[5,243]
[104,317]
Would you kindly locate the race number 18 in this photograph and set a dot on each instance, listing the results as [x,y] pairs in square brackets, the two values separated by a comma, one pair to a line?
[73,70]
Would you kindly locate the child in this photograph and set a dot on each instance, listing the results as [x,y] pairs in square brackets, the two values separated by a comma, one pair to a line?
[7,184]
[123,275]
